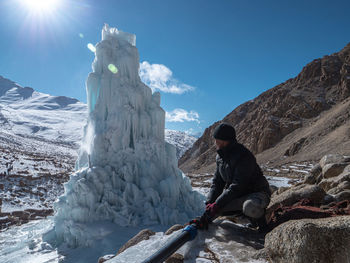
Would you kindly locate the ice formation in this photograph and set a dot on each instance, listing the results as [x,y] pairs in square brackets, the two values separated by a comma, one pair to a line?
[133,178]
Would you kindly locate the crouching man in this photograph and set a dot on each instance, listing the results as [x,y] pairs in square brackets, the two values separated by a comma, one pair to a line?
[238,184]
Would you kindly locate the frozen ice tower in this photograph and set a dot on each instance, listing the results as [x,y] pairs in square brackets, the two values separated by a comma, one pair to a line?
[133,178]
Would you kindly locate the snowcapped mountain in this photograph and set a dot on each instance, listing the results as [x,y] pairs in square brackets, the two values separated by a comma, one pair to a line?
[26,112]
[181,140]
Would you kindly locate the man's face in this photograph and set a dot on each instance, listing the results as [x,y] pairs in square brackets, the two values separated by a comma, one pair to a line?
[221,144]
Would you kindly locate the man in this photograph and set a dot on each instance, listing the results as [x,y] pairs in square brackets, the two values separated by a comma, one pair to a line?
[238,184]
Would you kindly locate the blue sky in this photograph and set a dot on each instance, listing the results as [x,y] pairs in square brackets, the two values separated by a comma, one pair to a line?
[206,57]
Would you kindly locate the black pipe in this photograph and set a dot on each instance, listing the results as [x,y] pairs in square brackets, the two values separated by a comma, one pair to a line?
[188,233]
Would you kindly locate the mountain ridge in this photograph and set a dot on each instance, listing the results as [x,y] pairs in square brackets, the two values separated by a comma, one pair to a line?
[265,121]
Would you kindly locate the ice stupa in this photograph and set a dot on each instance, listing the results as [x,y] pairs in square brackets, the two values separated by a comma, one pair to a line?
[126,172]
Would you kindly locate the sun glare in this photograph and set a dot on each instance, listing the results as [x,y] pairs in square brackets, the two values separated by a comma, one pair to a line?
[41,6]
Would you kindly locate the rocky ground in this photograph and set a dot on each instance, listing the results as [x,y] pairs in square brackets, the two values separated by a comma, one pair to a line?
[31,179]
[323,223]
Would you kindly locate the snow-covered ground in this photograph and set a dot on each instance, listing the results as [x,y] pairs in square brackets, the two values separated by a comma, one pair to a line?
[225,241]
[30,243]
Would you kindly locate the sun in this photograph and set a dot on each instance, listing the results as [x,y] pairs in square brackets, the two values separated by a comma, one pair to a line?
[41,6]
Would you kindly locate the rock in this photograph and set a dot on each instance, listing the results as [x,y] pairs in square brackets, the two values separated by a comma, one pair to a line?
[142,235]
[319,178]
[316,170]
[347,169]
[325,240]
[175,258]
[310,179]
[105,258]
[261,254]
[294,194]
[328,199]
[173,229]
[331,158]
[295,147]
[273,188]
[329,183]
[345,195]
[281,190]
[339,188]
[333,169]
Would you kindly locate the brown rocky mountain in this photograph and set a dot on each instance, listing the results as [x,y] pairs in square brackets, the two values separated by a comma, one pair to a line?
[301,119]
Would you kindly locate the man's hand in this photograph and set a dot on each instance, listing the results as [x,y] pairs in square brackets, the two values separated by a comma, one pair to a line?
[201,222]
[212,209]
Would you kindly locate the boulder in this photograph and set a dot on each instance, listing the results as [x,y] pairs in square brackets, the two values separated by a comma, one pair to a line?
[173,229]
[339,188]
[289,197]
[273,188]
[327,199]
[310,179]
[345,195]
[347,169]
[281,189]
[142,235]
[325,240]
[329,183]
[105,258]
[316,170]
[333,158]
[333,169]
[175,258]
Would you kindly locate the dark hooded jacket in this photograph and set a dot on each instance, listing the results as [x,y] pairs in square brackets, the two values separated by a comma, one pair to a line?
[237,174]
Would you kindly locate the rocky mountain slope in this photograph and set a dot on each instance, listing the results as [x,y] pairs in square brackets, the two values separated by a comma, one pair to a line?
[298,120]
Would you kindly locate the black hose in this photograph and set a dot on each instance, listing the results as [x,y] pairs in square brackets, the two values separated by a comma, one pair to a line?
[174,244]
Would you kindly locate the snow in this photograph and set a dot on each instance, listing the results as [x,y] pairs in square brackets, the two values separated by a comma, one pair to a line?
[39,169]
[224,239]
[181,140]
[27,112]
[134,179]
[278,181]
[32,243]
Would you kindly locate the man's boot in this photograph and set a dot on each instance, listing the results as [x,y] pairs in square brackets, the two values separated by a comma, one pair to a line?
[258,223]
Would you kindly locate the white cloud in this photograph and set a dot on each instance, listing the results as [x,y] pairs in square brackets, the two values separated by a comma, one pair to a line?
[159,77]
[181,115]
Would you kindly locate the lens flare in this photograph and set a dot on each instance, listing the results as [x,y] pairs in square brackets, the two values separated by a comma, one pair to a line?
[113,68]
[91,47]
[81,35]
